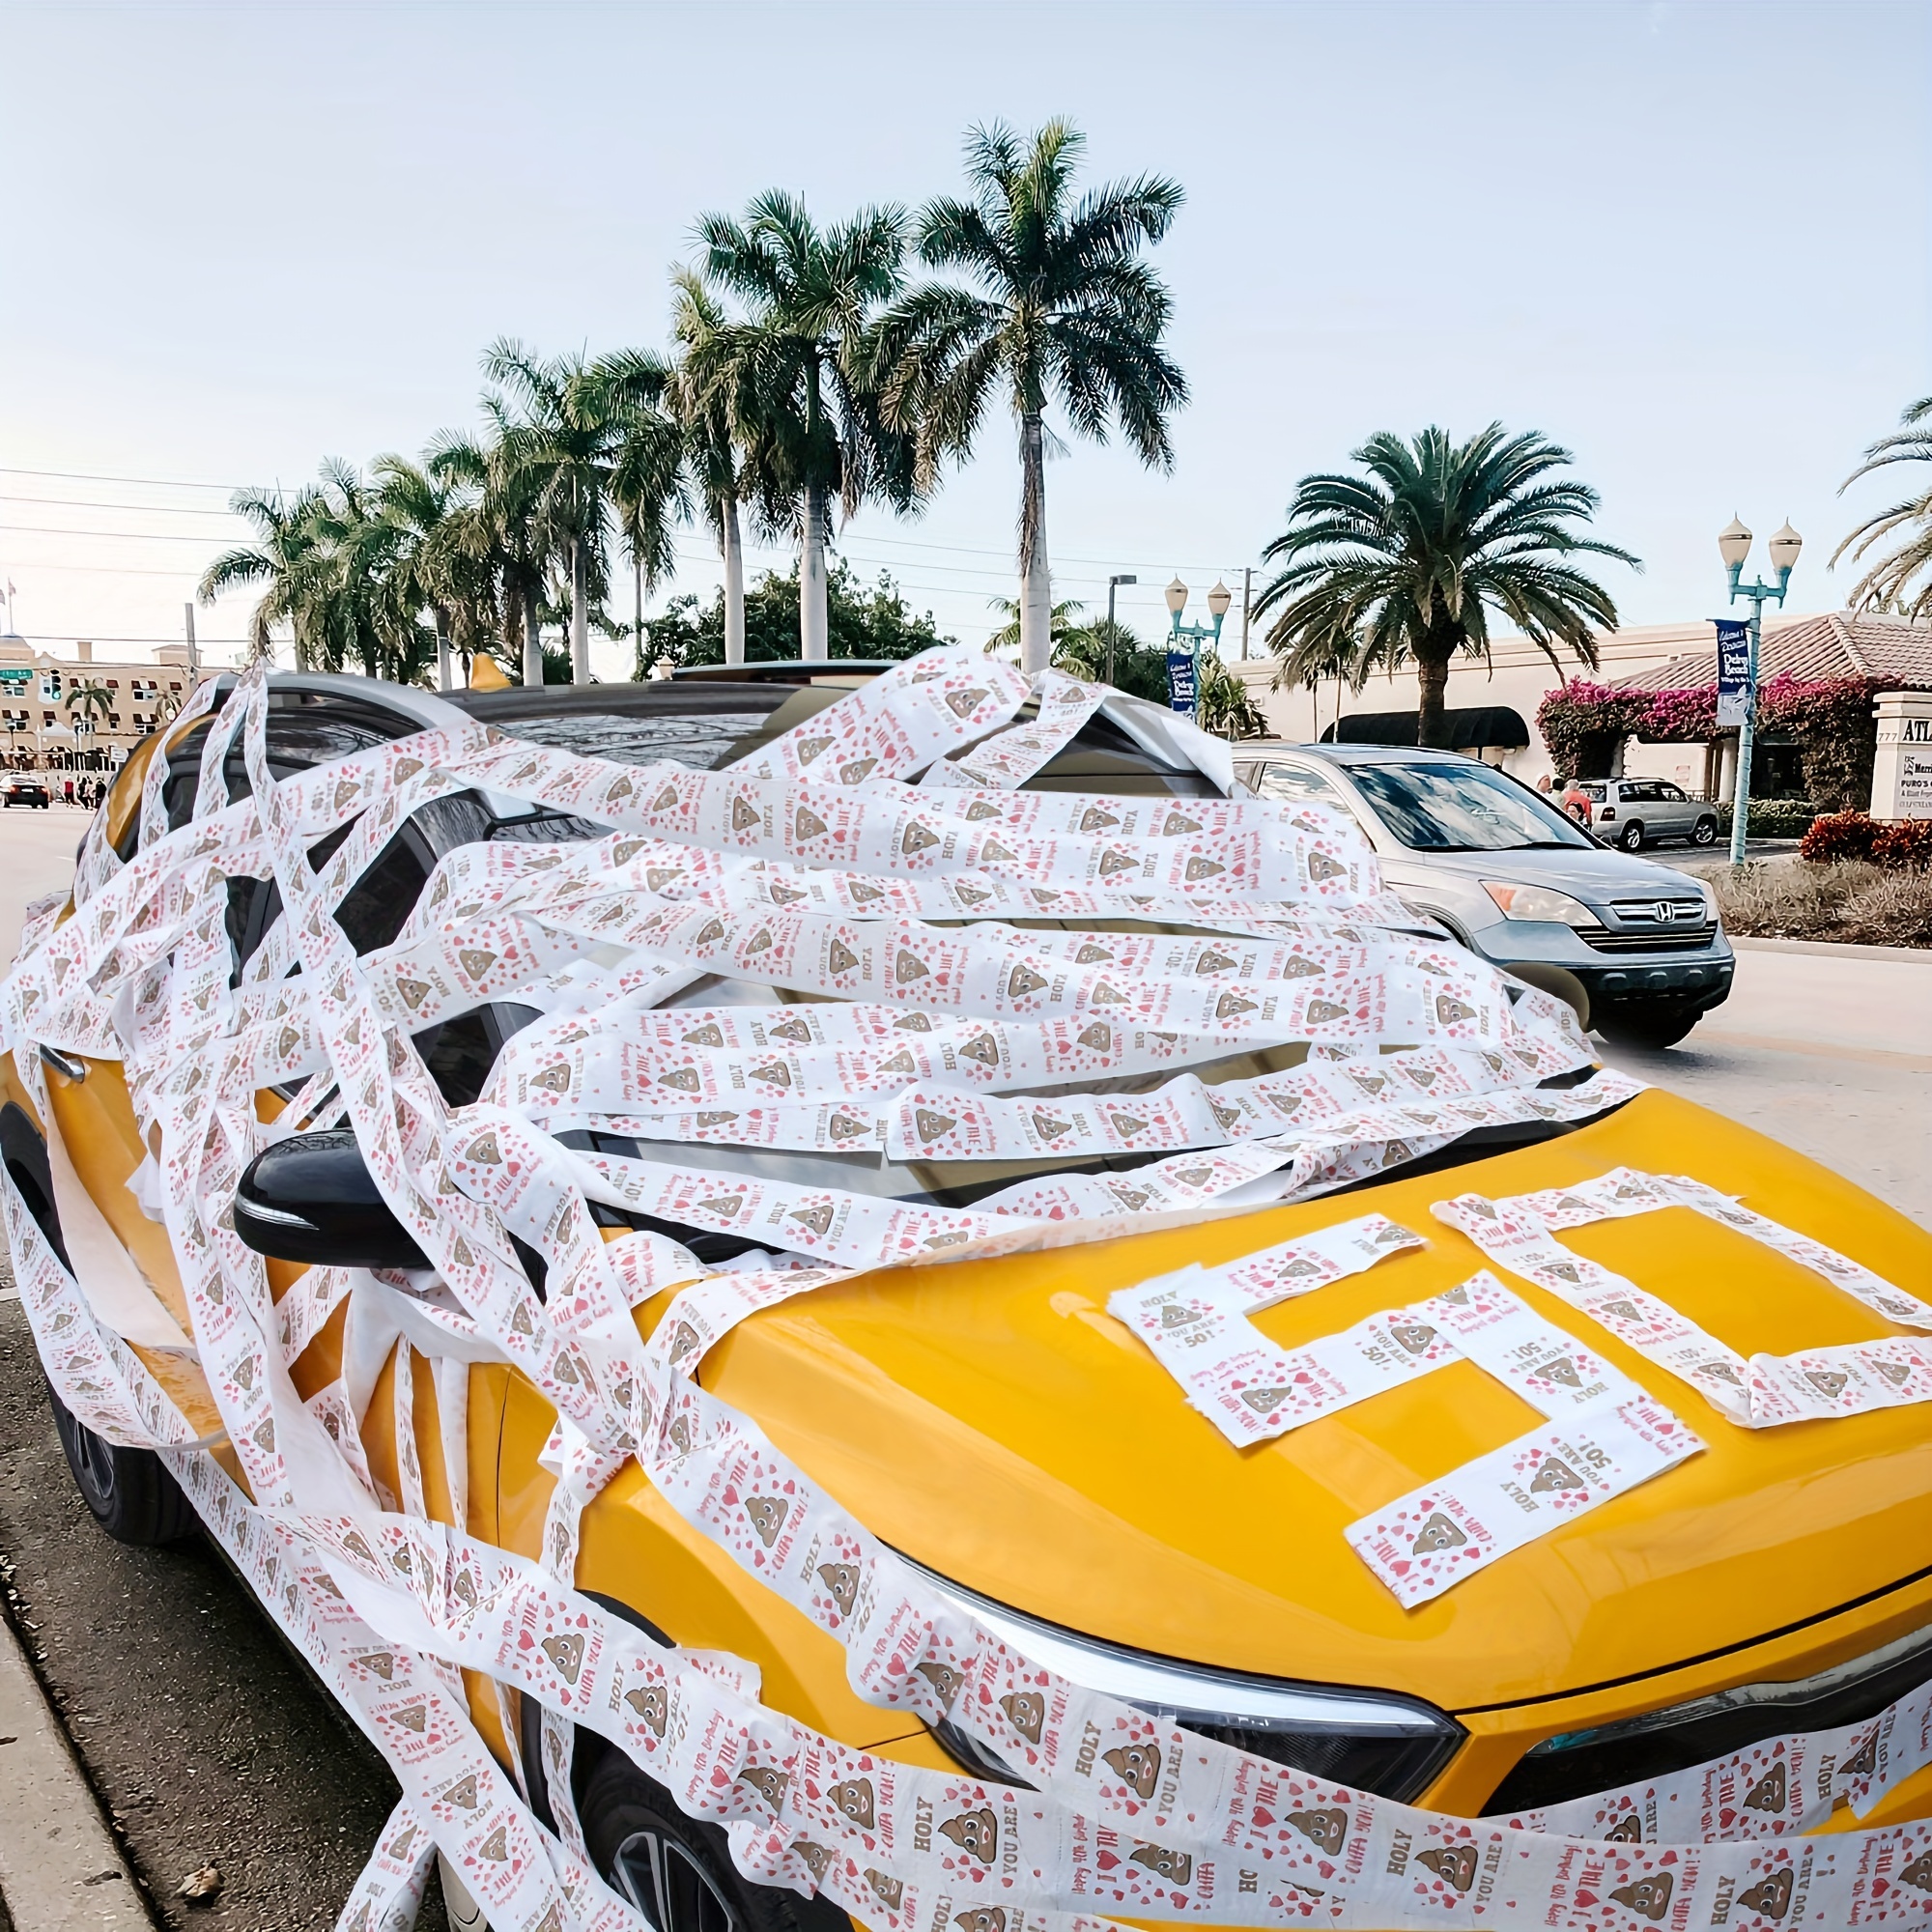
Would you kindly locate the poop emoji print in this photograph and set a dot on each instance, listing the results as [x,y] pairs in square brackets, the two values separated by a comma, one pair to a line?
[1124,1812]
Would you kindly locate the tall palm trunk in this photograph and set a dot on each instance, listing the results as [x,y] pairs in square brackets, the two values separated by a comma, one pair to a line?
[638,602]
[813,629]
[580,616]
[532,637]
[1035,580]
[442,675]
[1432,682]
[732,543]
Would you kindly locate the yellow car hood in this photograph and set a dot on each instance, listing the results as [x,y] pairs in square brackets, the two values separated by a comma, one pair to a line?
[993,1422]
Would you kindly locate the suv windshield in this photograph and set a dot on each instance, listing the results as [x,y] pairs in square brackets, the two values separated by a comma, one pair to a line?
[1465,808]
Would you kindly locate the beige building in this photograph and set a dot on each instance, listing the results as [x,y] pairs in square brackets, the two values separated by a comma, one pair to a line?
[1657,657]
[47,727]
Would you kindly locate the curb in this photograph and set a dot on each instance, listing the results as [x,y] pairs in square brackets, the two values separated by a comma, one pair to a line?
[60,1869]
[1827,948]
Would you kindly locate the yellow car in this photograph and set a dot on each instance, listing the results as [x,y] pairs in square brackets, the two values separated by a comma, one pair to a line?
[1065,1493]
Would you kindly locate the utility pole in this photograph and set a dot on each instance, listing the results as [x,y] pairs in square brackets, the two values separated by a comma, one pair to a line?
[1247,602]
[193,661]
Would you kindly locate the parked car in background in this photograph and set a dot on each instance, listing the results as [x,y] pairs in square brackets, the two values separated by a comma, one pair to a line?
[26,789]
[1638,951]
[1635,812]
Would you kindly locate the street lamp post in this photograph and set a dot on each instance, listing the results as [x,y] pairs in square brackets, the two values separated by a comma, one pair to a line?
[1734,544]
[1218,601]
[1113,584]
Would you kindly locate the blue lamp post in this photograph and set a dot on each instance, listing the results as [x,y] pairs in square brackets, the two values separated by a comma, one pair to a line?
[1734,544]
[1184,645]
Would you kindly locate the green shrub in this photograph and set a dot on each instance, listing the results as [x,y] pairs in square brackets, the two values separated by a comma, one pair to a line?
[1772,818]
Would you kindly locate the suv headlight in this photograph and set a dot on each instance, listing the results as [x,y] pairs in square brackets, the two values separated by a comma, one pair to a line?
[1369,1739]
[1539,902]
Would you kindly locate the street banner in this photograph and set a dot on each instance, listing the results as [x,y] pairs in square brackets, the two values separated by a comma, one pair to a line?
[1734,688]
[1180,681]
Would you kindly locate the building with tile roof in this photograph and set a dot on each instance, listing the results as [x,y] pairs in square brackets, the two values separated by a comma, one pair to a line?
[1894,651]
[1657,657]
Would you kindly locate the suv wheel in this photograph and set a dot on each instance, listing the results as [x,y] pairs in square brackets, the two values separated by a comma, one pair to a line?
[1631,838]
[675,1870]
[127,1491]
[1704,832]
[1652,1027]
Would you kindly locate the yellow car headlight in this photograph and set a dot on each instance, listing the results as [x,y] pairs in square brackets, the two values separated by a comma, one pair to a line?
[1373,1740]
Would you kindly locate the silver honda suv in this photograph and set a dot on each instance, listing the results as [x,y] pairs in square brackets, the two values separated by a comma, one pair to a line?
[1636,949]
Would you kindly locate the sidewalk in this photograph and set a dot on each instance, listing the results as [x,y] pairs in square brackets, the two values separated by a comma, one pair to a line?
[60,1870]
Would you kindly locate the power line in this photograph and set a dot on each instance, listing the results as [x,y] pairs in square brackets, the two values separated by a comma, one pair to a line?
[137,536]
[145,509]
[176,483]
[91,476]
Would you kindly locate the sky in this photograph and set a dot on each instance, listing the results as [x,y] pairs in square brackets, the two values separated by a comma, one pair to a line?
[1688,242]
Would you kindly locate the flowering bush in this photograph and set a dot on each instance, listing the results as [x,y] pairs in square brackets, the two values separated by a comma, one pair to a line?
[1680,717]
[1583,723]
[1843,834]
[1832,719]
[1905,844]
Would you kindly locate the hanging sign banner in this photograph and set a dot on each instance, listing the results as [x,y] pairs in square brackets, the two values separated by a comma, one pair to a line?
[1734,671]
[1181,682]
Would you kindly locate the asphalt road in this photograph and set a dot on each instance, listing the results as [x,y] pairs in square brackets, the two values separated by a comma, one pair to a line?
[209,1744]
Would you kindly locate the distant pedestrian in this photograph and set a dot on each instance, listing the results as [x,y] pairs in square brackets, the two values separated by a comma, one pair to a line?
[69,790]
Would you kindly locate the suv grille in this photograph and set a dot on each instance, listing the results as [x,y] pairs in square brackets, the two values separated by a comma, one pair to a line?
[1656,1744]
[1666,939]
[1662,914]
[1655,925]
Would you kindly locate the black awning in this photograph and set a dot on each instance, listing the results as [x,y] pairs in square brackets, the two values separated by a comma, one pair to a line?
[1471,729]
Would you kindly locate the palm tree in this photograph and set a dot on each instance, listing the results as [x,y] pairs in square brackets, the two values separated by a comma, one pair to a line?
[714,398]
[1406,562]
[1901,579]
[563,447]
[649,494]
[1222,702]
[436,564]
[287,560]
[92,702]
[496,527]
[1059,308]
[1062,624]
[807,358]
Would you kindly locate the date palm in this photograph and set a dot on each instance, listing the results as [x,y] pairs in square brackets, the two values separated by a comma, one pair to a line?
[1900,579]
[804,409]
[1058,308]
[1404,562]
